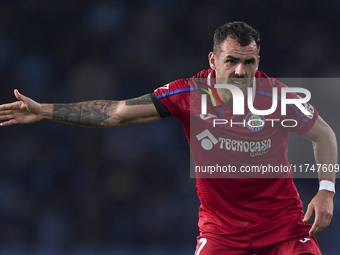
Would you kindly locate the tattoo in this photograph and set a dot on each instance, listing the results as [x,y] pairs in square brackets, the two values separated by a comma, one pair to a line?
[146,99]
[90,113]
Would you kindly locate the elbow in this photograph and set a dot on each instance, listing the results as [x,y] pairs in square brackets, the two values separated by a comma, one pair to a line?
[114,122]
[329,134]
[115,125]
[333,135]
[326,137]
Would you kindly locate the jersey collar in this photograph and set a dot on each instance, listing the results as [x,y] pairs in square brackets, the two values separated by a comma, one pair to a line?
[210,79]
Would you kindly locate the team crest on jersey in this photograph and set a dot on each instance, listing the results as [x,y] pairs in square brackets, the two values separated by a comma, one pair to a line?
[255,122]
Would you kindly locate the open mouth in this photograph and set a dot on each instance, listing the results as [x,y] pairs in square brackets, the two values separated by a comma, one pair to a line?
[238,81]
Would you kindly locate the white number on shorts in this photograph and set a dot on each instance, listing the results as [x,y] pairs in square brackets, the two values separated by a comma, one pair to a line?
[203,241]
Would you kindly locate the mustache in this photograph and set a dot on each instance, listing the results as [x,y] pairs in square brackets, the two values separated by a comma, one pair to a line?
[234,79]
[238,79]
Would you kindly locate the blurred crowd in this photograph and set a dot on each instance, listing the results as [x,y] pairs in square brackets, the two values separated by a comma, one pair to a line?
[72,190]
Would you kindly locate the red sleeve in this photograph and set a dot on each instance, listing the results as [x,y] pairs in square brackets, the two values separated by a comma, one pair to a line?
[302,123]
[175,96]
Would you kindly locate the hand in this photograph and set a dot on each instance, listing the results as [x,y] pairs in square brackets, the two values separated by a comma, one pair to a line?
[322,204]
[23,111]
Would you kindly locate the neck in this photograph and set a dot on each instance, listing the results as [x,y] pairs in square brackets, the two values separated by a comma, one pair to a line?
[227,97]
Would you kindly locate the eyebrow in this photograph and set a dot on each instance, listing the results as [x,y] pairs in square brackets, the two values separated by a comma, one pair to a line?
[234,58]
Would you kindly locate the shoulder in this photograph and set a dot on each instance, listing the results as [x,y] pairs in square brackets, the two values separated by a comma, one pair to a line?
[206,74]
[183,85]
[265,81]
[177,95]
[265,85]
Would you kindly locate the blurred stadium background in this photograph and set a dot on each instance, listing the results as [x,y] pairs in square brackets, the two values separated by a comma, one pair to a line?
[71,190]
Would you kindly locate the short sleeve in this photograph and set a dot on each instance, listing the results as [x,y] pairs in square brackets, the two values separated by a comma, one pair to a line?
[160,107]
[175,96]
[302,123]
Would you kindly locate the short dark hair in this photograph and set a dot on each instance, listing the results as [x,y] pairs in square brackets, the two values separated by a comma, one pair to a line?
[240,31]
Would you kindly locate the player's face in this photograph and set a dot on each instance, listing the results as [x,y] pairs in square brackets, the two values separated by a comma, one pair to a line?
[234,64]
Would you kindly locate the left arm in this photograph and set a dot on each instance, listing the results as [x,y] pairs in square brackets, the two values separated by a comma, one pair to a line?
[325,152]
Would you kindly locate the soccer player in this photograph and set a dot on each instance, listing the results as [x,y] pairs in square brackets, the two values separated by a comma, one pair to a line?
[237,215]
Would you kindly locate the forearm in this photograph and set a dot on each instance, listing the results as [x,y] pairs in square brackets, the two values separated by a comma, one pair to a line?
[98,113]
[325,151]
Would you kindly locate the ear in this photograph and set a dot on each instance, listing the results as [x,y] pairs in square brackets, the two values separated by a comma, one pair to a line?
[212,60]
[258,62]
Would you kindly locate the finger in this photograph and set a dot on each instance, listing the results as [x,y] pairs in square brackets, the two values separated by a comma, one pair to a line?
[10,106]
[317,226]
[8,123]
[6,117]
[5,112]
[324,221]
[315,231]
[19,96]
[309,213]
[6,106]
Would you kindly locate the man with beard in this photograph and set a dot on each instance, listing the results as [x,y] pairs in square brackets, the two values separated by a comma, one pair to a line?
[237,215]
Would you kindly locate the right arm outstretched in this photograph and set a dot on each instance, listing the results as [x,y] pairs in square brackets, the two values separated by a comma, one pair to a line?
[97,113]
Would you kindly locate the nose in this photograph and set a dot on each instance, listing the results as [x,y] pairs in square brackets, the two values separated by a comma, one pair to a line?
[240,71]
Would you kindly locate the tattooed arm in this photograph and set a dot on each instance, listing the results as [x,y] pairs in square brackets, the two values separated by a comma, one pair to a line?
[98,113]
